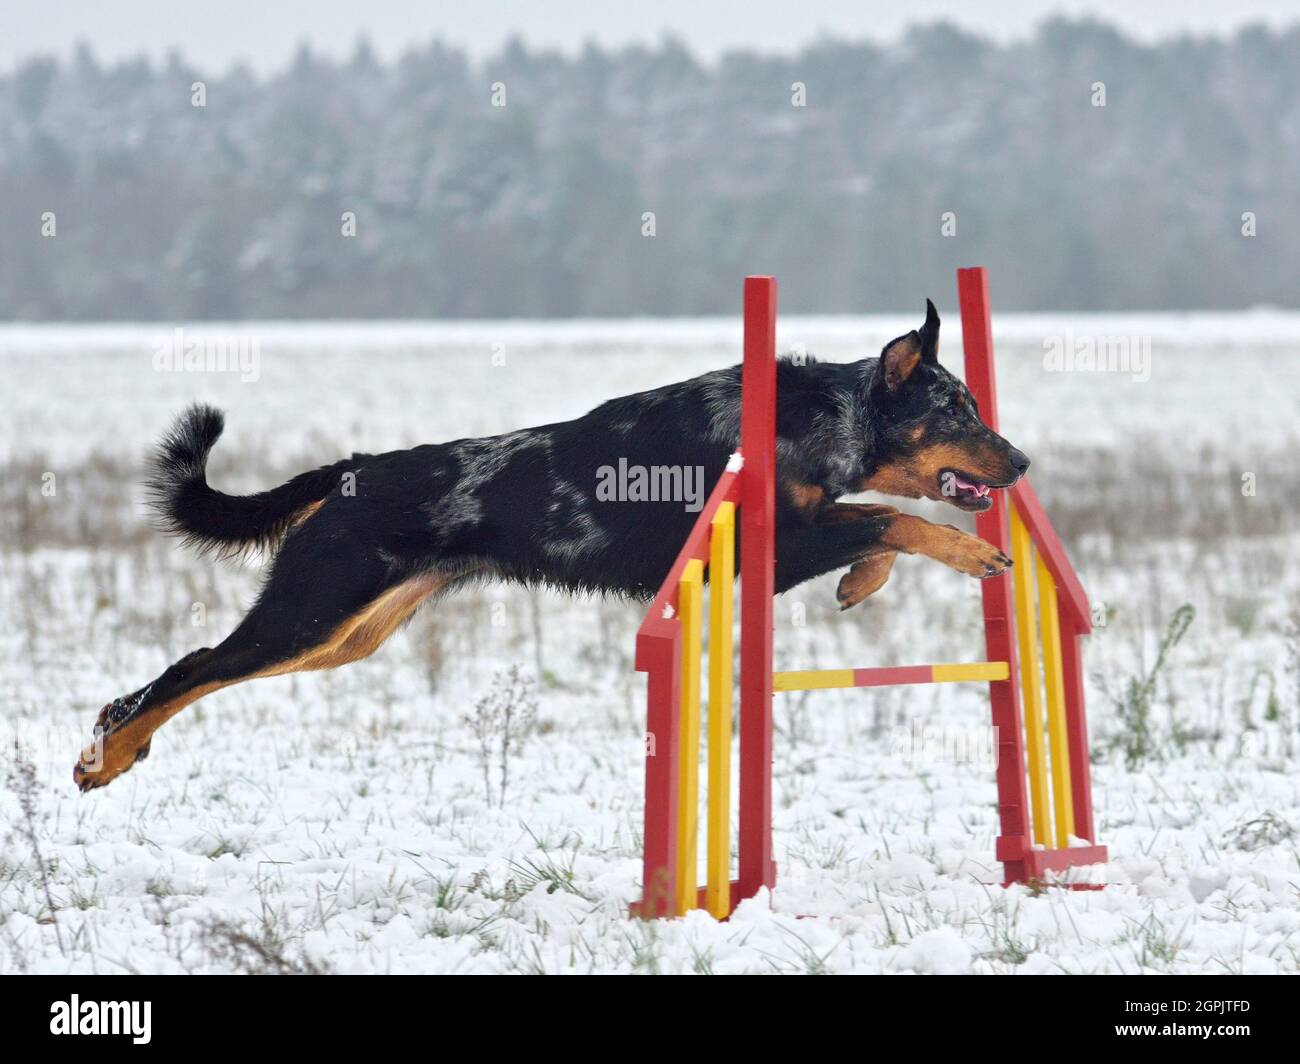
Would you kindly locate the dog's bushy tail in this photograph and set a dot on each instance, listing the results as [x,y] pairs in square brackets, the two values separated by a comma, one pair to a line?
[210,520]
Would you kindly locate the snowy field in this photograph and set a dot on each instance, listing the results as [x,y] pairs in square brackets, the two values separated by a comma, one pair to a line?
[358,821]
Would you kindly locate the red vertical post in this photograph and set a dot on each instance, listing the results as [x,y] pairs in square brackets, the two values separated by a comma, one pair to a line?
[1076,728]
[757,585]
[999,615]
[660,656]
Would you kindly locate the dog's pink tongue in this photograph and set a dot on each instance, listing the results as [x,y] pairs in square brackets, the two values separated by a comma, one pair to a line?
[976,489]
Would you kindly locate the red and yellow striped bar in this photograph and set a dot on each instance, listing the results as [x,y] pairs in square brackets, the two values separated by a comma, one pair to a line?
[1022,552]
[690,595]
[722,577]
[1054,681]
[822,679]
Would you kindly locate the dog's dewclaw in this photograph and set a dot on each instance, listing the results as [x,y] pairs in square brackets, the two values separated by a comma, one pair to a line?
[864,578]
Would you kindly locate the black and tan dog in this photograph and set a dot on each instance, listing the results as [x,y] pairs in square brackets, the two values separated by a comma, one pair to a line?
[362,543]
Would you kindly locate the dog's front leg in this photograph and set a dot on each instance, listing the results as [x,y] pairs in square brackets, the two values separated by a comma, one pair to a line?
[951,546]
[914,535]
[868,538]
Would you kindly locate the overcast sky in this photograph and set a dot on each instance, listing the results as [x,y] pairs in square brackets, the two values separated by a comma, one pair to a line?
[264,33]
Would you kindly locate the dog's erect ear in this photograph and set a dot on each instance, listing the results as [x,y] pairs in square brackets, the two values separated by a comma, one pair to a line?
[930,334]
[899,359]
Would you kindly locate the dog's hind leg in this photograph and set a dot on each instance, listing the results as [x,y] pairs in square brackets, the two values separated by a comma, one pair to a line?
[303,620]
[125,727]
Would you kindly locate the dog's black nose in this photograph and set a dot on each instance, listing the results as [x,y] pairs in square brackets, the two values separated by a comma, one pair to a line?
[1019,461]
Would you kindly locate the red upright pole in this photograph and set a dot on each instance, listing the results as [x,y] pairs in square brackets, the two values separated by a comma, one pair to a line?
[661,658]
[1076,726]
[757,585]
[999,615]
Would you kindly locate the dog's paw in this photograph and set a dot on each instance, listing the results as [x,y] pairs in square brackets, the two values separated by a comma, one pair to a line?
[864,578]
[119,740]
[975,557]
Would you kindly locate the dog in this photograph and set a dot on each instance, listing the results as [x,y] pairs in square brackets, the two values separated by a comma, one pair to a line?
[361,544]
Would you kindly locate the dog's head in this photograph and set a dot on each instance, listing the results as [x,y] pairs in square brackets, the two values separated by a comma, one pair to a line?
[929,441]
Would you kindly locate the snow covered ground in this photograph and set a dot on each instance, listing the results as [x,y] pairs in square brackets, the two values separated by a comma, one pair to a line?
[351,821]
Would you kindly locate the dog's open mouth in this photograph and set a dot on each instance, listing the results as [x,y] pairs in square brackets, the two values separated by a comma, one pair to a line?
[965,492]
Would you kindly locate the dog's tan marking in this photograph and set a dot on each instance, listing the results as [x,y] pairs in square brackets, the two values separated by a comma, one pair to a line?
[361,634]
[306,513]
[807,498]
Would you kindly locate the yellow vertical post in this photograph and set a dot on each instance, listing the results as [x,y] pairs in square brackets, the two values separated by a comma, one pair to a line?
[690,593]
[1054,677]
[1022,551]
[722,576]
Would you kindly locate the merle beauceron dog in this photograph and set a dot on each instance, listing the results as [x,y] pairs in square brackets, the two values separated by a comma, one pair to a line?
[361,544]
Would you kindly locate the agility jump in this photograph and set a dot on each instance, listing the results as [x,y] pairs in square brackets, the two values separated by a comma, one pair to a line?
[1033,628]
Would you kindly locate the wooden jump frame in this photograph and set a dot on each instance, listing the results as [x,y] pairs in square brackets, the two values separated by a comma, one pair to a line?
[1043,780]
